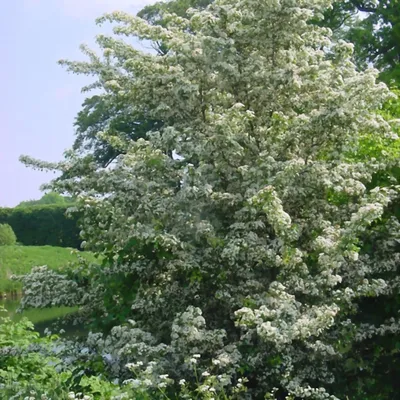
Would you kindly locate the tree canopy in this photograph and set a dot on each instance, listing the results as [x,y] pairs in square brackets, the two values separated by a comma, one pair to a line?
[373,27]
[48,198]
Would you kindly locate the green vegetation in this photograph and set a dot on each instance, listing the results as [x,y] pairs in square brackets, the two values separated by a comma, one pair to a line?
[28,371]
[43,225]
[19,260]
[7,235]
[372,26]
[48,198]
[376,37]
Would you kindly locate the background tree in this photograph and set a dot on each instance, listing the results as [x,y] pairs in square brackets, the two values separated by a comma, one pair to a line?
[48,198]
[373,27]
[378,38]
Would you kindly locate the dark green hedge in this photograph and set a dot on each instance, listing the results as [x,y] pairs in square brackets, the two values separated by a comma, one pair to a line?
[42,225]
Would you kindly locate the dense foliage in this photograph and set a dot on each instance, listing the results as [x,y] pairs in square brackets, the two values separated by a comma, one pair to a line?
[250,231]
[372,25]
[7,235]
[25,372]
[48,198]
[377,36]
[43,225]
[154,13]
[42,368]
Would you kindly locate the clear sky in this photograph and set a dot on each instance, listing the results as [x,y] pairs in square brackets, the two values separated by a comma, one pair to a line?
[39,99]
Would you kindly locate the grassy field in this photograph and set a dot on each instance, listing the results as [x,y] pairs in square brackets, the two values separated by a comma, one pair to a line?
[18,260]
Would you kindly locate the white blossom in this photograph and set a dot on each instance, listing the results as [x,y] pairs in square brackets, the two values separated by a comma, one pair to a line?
[242,216]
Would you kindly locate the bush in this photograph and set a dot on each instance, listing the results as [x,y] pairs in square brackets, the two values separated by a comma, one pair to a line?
[28,369]
[7,235]
[35,367]
[42,225]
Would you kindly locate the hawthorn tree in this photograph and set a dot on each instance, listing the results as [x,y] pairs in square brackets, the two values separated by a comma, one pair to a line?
[374,37]
[108,110]
[373,27]
[245,235]
[153,13]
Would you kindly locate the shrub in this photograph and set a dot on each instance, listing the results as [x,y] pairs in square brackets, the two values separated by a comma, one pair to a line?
[7,235]
[42,225]
[38,367]
[23,369]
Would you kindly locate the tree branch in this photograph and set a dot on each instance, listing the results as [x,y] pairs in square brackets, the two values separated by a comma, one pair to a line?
[363,8]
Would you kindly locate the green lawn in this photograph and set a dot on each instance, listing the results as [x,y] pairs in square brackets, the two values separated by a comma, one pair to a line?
[18,260]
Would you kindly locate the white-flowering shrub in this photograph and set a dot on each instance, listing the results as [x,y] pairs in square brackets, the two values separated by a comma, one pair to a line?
[241,229]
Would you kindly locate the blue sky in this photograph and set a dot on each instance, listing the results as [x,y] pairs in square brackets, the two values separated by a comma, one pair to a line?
[39,99]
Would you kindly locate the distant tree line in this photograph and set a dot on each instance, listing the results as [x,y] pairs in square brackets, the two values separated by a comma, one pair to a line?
[44,222]
[48,198]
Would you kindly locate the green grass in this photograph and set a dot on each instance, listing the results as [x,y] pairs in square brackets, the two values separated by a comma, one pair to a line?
[19,260]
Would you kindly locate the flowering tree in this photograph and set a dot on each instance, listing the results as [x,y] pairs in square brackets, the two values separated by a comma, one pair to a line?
[244,228]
